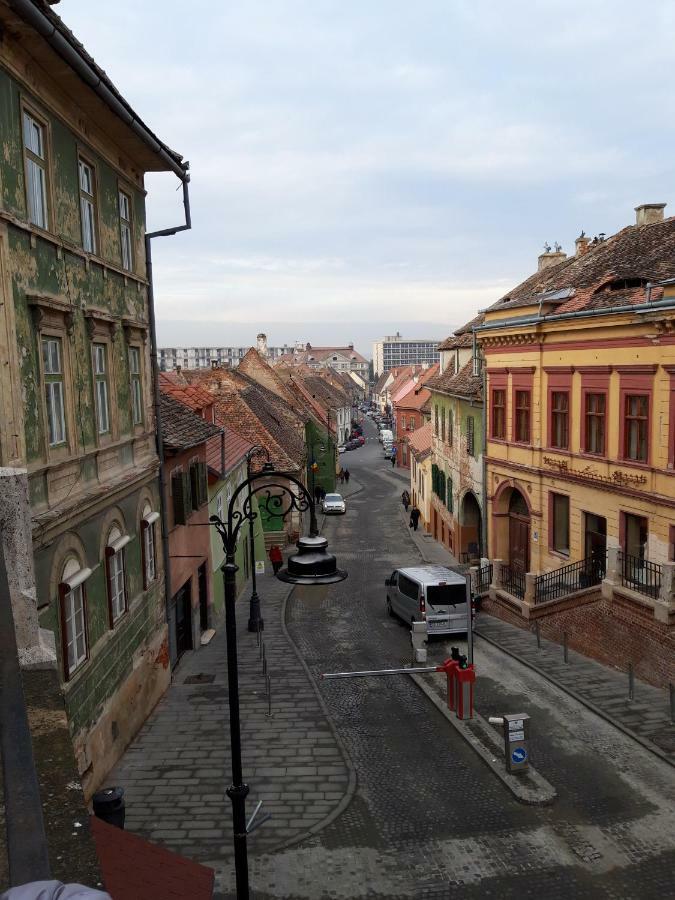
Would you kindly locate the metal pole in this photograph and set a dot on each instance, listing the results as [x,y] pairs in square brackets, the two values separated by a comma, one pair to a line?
[366,674]
[237,791]
[469,622]
[255,620]
[631,682]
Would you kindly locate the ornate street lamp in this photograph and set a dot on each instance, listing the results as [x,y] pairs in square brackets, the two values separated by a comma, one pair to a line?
[312,564]
[255,620]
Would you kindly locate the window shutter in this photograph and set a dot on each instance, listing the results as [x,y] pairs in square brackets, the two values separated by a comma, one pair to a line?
[180,507]
[63,591]
[187,494]
[203,483]
[449,501]
[195,500]
[108,553]
[144,562]
[469,435]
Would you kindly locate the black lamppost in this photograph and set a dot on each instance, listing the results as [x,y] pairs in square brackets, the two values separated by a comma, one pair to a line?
[255,620]
[312,564]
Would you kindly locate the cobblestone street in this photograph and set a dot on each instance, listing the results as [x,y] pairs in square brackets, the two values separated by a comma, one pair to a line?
[372,794]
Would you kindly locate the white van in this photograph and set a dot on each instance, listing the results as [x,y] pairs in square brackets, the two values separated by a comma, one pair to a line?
[434,593]
[386,436]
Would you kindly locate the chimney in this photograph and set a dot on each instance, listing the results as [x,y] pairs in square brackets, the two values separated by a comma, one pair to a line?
[550,258]
[261,341]
[351,346]
[581,244]
[649,213]
[178,369]
[214,363]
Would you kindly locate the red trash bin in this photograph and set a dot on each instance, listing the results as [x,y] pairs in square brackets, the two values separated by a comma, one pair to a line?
[466,679]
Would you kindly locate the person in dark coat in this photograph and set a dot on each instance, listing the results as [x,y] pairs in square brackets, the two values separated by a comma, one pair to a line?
[405,500]
[275,557]
[347,475]
[414,518]
[317,493]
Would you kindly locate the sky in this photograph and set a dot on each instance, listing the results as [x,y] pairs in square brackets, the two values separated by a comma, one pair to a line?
[370,166]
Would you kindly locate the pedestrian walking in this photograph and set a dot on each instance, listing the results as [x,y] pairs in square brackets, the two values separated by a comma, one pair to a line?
[393,462]
[341,475]
[347,475]
[317,493]
[414,517]
[275,557]
[405,500]
[322,491]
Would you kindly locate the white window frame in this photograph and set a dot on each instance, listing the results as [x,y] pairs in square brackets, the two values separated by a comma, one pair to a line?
[52,371]
[116,574]
[73,614]
[149,545]
[124,203]
[87,184]
[100,365]
[36,169]
[135,376]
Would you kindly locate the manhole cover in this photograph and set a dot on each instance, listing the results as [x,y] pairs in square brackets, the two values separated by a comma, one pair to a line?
[201,678]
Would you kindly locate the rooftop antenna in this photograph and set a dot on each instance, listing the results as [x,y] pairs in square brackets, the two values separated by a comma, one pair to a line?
[557,247]
[547,247]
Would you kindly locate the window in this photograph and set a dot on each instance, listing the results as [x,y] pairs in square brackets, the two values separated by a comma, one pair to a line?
[407,586]
[101,388]
[198,483]
[136,392]
[635,535]
[499,414]
[73,601]
[115,567]
[53,376]
[451,426]
[595,423]
[470,442]
[34,142]
[449,501]
[87,208]
[476,366]
[523,417]
[148,545]
[443,424]
[560,401]
[560,523]
[436,419]
[125,231]
[636,440]
[403,422]
[181,497]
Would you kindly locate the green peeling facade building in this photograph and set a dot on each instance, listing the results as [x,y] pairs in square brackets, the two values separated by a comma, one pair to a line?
[76,382]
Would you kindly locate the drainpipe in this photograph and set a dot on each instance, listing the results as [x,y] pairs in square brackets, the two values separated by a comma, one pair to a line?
[484,529]
[166,232]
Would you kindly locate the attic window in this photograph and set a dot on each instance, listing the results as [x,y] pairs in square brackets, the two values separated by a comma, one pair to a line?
[505,300]
[621,284]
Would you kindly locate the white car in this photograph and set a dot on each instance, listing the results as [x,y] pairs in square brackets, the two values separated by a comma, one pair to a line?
[341,448]
[333,504]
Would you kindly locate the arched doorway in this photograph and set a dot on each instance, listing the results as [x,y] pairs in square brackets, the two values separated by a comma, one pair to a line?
[519,532]
[470,525]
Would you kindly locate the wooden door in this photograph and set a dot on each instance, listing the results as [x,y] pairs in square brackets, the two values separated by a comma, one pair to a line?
[519,543]
[183,620]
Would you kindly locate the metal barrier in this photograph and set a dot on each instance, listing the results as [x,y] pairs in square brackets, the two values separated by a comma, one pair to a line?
[568,579]
[640,575]
[513,581]
[484,579]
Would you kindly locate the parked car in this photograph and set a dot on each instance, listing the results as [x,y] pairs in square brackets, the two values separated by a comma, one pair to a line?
[341,448]
[361,440]
[352,445]
[333,504]
[434,593]
[389,451]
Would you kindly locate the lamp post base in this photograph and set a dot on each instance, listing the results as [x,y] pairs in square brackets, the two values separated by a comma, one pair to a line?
[255,620]
[256,625]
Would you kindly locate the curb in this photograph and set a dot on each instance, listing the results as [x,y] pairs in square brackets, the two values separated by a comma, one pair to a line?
[351,786]
[644,742]
[542,793]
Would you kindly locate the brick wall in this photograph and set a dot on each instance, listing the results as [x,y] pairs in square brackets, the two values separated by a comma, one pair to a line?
[613,632]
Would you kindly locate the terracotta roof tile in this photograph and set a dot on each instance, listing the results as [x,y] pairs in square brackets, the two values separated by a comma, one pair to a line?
[462,384]
[637,252]
[419,441]
[181,427]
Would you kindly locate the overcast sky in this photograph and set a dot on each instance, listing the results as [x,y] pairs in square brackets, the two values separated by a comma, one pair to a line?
[366,166]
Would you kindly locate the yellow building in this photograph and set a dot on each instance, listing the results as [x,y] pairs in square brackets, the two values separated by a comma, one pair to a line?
[419,443]
[580,378]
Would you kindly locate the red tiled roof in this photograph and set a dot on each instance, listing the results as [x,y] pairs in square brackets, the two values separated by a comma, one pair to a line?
[133,868]
[181,427]
[462,337]
[637,252]
[461,384]
[419,442]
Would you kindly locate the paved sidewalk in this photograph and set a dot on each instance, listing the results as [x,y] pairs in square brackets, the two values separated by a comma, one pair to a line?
[603,689]
[176,771]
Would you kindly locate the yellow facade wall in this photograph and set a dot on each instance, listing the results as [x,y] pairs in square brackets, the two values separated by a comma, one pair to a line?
[608,341]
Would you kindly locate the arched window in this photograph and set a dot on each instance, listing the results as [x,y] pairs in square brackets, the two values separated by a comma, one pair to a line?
[116,574]
[148,544]
[73,613]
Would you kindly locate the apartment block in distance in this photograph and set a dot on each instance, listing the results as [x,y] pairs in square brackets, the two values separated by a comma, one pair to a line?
[395,351]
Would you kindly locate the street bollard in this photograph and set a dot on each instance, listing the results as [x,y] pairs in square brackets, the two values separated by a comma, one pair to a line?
[565,654]
[631,682]
[465,680]
[418,639]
